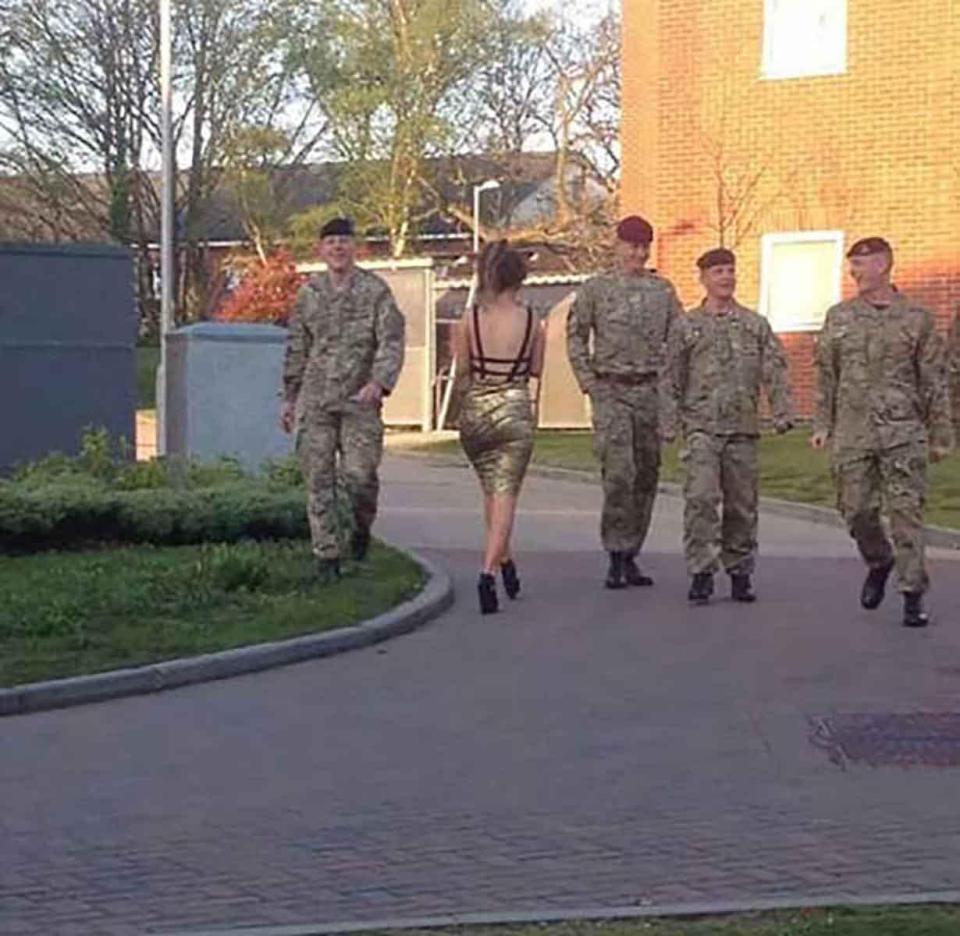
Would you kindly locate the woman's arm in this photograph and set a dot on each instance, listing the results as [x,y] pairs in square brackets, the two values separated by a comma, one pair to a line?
[460,346]
[538,350]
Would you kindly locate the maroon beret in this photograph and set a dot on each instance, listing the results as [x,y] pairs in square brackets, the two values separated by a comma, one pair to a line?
[868,246]
[635,230]
[719,256]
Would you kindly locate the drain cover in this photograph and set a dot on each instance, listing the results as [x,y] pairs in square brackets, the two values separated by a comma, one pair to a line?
[918,739]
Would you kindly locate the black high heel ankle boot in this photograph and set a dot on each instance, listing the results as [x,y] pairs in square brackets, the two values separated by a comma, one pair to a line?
[511,581]
[487,593]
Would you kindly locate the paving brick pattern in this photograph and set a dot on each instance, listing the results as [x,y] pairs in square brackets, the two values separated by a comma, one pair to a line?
[586,748]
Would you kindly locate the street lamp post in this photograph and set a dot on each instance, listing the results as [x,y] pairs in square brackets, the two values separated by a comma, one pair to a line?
[167,268]
[471,294]
[477,189]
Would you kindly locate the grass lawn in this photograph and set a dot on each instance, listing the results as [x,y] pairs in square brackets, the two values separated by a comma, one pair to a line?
[879,921]
[65,614]
[148,360]
[789,469]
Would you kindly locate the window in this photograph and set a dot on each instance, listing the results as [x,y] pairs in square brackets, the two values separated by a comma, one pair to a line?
[802,38]
[800,278]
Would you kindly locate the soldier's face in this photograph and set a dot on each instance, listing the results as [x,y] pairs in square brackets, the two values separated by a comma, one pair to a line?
[720,282]
[633,257]
[338,252]
[871,271]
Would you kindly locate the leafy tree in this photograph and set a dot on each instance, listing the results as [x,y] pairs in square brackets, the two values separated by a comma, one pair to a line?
[402,72]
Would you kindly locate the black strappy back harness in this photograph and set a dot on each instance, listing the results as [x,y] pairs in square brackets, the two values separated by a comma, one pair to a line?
[485,366]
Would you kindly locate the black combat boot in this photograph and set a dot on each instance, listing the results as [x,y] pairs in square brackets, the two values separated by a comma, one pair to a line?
[615,572]
[328,570]
[511,581]
[741,588]
[632,573]
[913,613]
[360,545]
[875,586]
[487,593]
[701,588]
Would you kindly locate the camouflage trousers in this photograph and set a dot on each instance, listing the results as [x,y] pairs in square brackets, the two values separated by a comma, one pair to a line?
[720,470]
[627,445]
[345,445]
[892,482]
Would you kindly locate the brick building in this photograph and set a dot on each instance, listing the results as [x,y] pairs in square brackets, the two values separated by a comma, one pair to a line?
[787,129]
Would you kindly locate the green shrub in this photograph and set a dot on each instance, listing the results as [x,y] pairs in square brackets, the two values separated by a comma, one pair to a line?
[102,496]
[283,472]
[68,515]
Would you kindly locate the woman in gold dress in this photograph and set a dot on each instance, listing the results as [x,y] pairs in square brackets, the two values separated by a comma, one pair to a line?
[499,348]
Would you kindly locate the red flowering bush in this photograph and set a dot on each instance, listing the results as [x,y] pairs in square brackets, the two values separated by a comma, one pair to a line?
[266,292]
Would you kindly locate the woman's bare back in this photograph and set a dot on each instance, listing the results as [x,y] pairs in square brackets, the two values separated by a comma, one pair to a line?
[501,331]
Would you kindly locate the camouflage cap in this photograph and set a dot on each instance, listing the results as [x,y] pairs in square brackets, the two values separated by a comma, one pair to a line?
[337,227]
[719,256]
[635,230]
[869,246]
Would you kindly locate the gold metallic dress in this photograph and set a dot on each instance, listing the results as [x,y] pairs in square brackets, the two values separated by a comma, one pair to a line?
[496,417]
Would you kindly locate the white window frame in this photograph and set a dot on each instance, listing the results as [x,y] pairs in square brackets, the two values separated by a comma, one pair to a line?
[770,70]
[767,244]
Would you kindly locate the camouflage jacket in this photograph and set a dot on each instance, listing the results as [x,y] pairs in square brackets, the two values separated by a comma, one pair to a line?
[629,320]
[339,340]
[717,365]
[882,377]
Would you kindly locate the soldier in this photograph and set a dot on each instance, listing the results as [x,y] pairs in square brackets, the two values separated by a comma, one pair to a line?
[884,405]
[720,355]
[628,315]
[344,354]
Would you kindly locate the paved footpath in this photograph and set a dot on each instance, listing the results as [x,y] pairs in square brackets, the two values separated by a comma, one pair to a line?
[584,748]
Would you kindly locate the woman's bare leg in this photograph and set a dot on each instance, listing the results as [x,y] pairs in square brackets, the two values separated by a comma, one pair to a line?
[502,512]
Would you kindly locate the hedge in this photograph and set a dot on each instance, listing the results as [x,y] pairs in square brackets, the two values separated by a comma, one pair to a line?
[65,515]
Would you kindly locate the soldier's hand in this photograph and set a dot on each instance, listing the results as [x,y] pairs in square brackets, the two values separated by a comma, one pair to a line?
[819,440]
[287,416]
[370,394]
[938,453]
[782,425]
[668,434]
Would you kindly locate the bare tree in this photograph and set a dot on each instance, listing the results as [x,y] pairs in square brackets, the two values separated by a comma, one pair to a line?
[583,127]
[746,182]
[552,84]
[79,105]
[77,99]
[242,74]
[511,90]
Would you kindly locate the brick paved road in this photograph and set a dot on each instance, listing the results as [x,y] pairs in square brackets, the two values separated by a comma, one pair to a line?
[588,748]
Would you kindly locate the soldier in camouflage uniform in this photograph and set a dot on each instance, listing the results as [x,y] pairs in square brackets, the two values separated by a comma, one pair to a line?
[884,405]
[720,356]
[344,354]
[616,337]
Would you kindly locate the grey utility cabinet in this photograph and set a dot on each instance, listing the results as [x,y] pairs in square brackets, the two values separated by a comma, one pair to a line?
[221,392]
[68,333]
